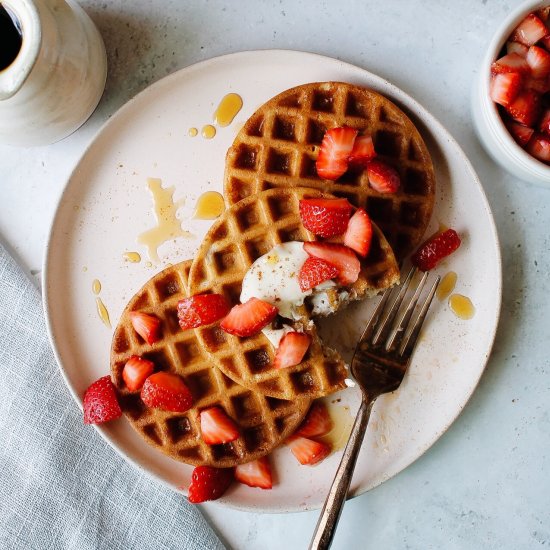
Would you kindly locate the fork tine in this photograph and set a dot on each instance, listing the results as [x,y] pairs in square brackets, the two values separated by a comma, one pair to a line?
[375,316]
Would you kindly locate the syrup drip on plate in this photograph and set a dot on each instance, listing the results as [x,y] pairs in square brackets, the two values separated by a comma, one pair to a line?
[96,286]
[210,205]
[462,306]
[447,285]
[208,131]
[133,257]
[102,312]
[342,422]
[192,132]
[227,110]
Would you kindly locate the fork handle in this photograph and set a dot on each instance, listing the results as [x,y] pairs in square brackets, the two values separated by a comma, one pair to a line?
[328,520]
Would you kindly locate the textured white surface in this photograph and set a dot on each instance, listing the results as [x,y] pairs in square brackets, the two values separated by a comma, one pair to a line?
[485,484]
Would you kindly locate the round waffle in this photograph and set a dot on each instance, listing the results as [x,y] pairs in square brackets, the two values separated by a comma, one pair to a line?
[246,231]
[279,144]
[264,422]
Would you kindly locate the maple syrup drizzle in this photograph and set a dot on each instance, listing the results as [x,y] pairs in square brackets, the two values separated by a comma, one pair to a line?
[447,285]
[96,286]
[227,110]
[210,205]
[208,131]
[102,312]
[133,257]
[168,226]
[192,132]
[462,306]
[342,422]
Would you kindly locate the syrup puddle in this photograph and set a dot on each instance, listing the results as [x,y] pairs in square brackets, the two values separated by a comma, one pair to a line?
[208,131]
[133,257]
[96,286]
[447,285]
[462,306]
[342,422]
[210,205]
[227,110]
[102,312]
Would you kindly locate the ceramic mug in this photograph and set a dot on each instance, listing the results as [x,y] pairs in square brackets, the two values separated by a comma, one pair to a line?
[58,71]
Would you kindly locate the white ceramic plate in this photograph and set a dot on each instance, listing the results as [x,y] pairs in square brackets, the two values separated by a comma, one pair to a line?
[106,204]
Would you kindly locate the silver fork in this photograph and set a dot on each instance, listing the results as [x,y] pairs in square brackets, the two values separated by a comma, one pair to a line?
[379,363]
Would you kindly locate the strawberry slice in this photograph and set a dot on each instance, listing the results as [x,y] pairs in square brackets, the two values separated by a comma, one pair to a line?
[545,42]
[136,371]
[292,348]
[249,318]
[317,421]
[314,272]
[525,108]
[511,63]
[217,427]
[516,47]
[359,233]
[539,147]
[522,134]
[166,391]
[363,150]
[256,473]
[209,483]
[336,147]
[340,256]
[308,451]
[539,85]
[435,249]
[530,30]
[505,87]
[100,402]
[543,14]
[539,61]
[325,217]
[147,326]
[201,309]
[544,124]
[383,177]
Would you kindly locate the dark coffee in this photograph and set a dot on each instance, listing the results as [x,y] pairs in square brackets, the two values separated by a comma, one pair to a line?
[10,38]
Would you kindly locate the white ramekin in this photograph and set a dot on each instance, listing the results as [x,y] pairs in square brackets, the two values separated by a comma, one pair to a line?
[489,126]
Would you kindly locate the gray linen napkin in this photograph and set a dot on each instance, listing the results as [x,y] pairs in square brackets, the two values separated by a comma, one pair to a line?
[61,485]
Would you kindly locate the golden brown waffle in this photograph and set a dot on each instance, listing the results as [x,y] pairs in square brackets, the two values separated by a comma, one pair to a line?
[278,146]
[247,230]
[264,421]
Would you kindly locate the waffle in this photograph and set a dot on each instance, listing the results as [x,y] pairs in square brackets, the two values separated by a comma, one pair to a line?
[278,146]
[264,421]
[246,231]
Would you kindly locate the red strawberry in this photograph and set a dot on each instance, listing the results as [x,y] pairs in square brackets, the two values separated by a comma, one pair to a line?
[546,42]
[359,233]
[166,391]
[525,108]
[505,87]
[249,318]
[435,249]
[292,348]
[317,421]
[516,47]
[340,256]
[363,150]
[255,474]
[217,427]
[543,14]
[325,217]
[209,483]
[540,85]
[522,134]
[314,272]
[334,153]
[539,61]
[136,371]
[308,451]
[100,402]
[147,326]
[383,177]
[202,309]
[511,63]
[530,30]
[544,124]
[539,147]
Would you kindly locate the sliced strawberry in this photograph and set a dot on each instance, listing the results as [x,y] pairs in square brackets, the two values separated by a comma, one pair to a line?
[325,217]
[147,326]
[544,124]
[292,348]
[543,14]
[314,272]
[525,108]
[516,47]
[539,61]
[511,63]
[217,427]
[383,177]
[256,473]
[545,42]
[539,147]
[308,451]
[100,402]
[166,391]
[434,250]
[505,87]
[530,30]
[359,233]
[340,256]
[334,153]
[136,371]
[539,85]
[249,318]
[317,421]
[522,134]
[363,150]
[201,309]
[209,483]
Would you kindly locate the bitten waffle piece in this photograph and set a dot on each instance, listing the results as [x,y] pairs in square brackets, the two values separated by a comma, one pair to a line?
[263,422]
[279,144]
[246,231]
